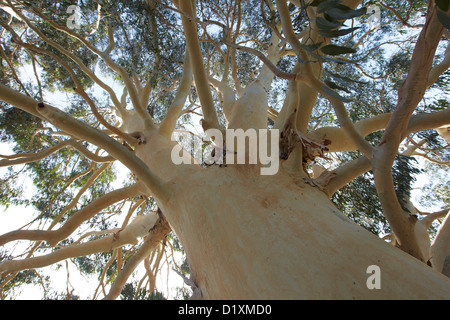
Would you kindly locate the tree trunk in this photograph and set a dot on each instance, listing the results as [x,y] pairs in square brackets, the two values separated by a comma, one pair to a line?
[249,236]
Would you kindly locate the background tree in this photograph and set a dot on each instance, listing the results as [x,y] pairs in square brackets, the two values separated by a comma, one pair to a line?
[357,101]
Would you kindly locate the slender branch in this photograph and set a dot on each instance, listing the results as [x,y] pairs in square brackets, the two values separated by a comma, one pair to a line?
[114,66]
[291,37]
[105,269]
[83,189]
[21,158]
[279,73]
[439,249]
[168,123]
[11,66]
[97,22]
[344,120]
[158,232]
[129,159]
[346,173]
[431,216]
[67,53]
[399,17]
[355,168]
[196,57]
[79,89]
[54,236]
[338,138]
[440,68]
[139,228]
[31,157]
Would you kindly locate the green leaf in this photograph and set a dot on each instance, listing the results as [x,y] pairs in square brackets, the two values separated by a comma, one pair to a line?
[334,94]
[300,60]
[443,18]
[334,50]
[333,85]
[324,24]
[311,47]
[342,12]
[343,79]
[315,3]
[329,59]
[336,33]
[318,57]
[444,5]
[324,6]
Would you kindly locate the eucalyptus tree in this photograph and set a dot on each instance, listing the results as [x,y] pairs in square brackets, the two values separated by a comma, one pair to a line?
[341,96]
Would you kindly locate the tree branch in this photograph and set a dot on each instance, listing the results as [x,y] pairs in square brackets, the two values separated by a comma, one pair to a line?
[158,232]
[344,120]
[355,168]
[79,89]
[67,53]
[196,57]
[409,95]
[54,236]
[137,103]
[168,124]
[440,247]
[346,173]
[440,68]
[277,72]
[140,227]
[83,131]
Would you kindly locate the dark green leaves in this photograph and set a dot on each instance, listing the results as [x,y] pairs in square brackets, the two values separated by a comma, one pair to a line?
[336,33]
[443,18]
[330,24]
[334,13]
[327,90]
[342,12]
[326,5]
[324,24]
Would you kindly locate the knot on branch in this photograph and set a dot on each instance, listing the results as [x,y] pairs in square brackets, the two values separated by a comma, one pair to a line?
[139,136]
[161,225]
[290,137]
[322,181]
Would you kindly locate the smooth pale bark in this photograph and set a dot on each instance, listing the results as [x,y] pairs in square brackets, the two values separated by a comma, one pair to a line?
[264,237]
[440,248]
[158,232]
[249,236]
[423,121]
[252,236]
[167,125]
[195,56]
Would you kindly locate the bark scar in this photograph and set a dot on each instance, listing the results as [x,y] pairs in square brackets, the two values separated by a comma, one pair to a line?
[322,181]
[196,291]
[290,137]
